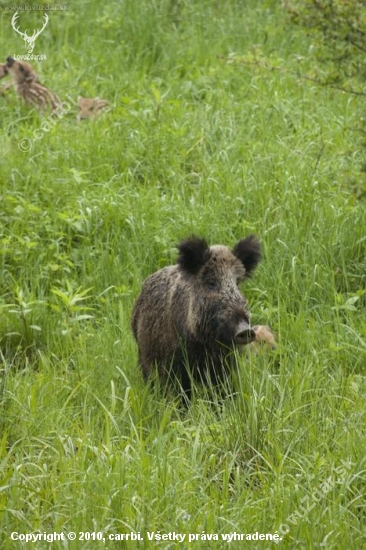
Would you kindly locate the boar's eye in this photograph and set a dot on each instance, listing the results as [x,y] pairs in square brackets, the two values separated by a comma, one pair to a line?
[21,68]
[212,284]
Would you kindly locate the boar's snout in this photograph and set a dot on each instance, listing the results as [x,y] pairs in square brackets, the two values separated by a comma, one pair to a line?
[244,334]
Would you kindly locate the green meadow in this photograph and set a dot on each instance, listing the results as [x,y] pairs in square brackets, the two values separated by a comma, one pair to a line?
[212,131]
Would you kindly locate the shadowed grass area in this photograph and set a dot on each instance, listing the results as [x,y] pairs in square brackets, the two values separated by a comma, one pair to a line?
[197,141]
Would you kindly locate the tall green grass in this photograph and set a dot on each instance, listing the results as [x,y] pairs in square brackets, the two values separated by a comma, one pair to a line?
[197,141]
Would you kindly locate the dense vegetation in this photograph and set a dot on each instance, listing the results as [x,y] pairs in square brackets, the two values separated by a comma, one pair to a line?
[339,29]
[202,138]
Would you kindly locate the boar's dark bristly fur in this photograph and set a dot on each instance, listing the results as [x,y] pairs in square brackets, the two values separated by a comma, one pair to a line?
[191,316]
[249,253]
[193,254]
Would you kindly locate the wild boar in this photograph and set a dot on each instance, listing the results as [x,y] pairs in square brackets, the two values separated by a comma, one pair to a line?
[28,86]
[191,316]
[91,108]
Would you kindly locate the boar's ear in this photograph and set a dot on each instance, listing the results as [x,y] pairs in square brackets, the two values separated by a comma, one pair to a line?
[249,253]
[193,254]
